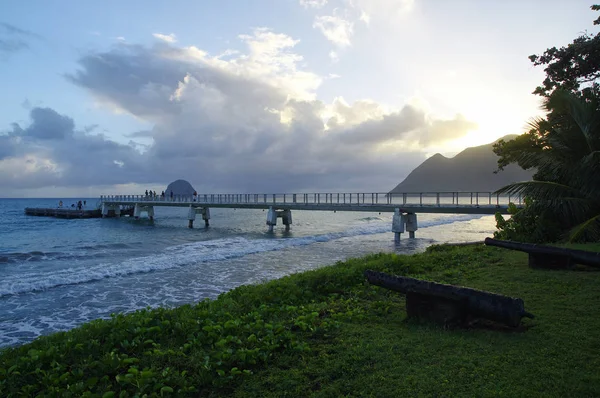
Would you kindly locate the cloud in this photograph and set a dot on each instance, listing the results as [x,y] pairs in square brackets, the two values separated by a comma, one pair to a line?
[379,10]
[140,134]
[13,39]
[313,3]
[46,124]
[335,28]
[170,38]
[50,151]
[247,123]
[339,27]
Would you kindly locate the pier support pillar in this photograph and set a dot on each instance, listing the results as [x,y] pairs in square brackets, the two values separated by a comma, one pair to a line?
[411,224]
[286,218]
[271,218]
[191,217]
[139,209]
[398,221]
[206,216]
[106,209]
[150,211]
[205,211]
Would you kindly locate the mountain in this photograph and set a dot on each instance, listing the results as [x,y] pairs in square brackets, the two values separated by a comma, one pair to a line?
[472,170]
[180,187]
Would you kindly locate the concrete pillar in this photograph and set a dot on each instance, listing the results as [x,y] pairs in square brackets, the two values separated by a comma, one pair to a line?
[398,221]
[137,211]
[206,215]
[286,217]
[411,224]
[150,211]
[271,218]
[191,217]
[104,210]
[117,211]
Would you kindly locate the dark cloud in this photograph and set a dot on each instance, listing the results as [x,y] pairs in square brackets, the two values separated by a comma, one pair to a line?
[50,151]
[13,39]
[140,134]
[8,146]
[47,124]
[90,128]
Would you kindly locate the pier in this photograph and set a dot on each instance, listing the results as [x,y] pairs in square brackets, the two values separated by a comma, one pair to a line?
[63,213]
[404,206]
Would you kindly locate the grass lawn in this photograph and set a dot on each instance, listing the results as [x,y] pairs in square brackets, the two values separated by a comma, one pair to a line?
[329,333]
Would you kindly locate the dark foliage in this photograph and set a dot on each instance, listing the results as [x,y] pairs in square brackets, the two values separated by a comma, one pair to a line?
[563,148]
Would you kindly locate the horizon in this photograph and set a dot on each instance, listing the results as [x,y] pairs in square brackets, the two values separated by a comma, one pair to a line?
[273,96]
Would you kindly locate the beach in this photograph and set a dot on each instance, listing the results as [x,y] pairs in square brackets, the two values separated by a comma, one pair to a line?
[57,274]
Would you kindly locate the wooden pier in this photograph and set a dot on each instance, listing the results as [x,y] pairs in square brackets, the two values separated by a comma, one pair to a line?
[63,213]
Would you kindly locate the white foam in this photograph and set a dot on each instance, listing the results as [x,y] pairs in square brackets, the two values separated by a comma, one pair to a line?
[189,254]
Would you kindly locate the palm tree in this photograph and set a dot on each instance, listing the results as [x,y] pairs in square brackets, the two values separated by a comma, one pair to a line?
[566,154]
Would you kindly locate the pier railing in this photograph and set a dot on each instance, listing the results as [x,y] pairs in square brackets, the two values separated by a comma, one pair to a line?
[374,198]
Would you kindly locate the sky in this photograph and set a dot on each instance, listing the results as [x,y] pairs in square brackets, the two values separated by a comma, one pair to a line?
[261,96]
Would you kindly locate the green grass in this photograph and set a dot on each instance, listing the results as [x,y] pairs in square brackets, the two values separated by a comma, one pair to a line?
[329,333]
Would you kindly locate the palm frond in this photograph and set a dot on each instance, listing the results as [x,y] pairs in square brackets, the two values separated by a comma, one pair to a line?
[541,190]
[586,117]
[589,228]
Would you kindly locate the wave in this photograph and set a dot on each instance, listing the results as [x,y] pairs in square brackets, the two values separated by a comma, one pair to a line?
[8,258]
[84,252]
[370,219]
[188,254]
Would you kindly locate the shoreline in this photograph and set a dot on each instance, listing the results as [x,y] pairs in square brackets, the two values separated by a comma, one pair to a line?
[249,335]
[189,269]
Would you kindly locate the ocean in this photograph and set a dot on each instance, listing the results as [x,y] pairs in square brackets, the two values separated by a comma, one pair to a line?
[56,274]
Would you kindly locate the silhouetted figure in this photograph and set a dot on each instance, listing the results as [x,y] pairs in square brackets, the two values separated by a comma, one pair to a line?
[146,192]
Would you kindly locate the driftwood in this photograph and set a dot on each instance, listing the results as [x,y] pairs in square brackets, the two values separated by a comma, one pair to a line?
[541,256]
[449,304]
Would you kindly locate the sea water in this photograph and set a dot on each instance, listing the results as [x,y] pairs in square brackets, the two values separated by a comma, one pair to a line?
[56,274]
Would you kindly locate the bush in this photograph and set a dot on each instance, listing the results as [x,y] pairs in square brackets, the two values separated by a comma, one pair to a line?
[527,225]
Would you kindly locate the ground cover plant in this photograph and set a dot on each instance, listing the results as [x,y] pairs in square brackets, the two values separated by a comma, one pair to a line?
[329,333]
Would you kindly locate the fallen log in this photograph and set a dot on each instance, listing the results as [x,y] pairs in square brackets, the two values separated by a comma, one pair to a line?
[549,256]
[450,304]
